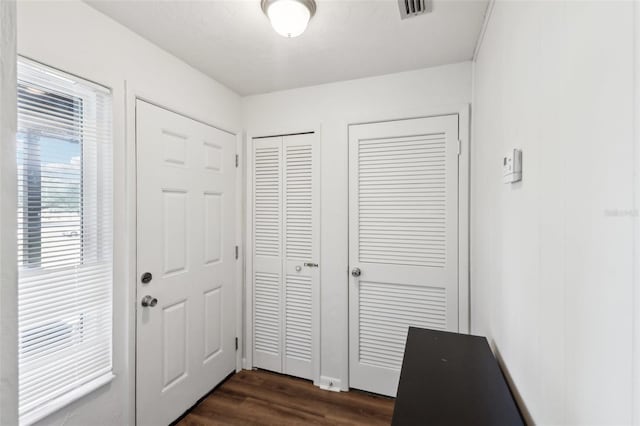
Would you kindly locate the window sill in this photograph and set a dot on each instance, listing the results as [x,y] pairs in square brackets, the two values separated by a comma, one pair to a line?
[66,399]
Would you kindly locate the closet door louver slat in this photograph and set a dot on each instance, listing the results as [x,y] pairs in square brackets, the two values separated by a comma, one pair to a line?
[298,318]
[267,313]
[267,201]
[298,202]
[417,206]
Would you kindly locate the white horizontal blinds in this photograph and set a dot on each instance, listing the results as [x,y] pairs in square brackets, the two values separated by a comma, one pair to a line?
[402,200]
[64,161]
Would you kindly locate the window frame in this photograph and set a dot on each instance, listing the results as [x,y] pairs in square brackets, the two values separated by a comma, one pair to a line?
[96,380]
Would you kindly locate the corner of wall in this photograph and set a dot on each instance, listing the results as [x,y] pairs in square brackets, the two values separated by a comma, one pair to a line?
[483,29]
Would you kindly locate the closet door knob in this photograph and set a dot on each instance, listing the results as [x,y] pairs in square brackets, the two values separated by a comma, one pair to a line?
[356,272]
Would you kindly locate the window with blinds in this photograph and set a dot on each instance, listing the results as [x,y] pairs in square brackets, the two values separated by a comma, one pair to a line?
[64,162]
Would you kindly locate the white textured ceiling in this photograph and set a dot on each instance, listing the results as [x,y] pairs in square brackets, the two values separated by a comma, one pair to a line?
[233,42]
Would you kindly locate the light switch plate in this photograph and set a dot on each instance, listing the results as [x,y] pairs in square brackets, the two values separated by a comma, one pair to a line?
[512,166]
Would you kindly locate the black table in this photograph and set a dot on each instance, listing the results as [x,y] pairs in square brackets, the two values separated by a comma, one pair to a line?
[452,379]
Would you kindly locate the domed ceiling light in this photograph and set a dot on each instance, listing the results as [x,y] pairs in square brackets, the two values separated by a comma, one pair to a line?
[289,17]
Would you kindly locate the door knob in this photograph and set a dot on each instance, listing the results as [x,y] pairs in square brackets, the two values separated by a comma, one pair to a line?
[146,278]
[298,268]
[356,272]
[149,301]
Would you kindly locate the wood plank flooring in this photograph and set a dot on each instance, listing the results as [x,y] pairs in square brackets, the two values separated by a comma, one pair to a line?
[263,398]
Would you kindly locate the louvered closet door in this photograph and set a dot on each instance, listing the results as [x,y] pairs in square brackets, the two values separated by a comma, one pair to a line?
[403,219]
[286,253]
[301,252]
[267,252]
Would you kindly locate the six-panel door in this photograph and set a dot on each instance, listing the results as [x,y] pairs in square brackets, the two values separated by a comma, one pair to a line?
[186,224]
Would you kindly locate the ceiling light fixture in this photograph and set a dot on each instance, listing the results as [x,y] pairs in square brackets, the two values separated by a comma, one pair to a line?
[289,18]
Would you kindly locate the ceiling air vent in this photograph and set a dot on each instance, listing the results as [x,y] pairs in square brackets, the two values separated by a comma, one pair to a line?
[411,8]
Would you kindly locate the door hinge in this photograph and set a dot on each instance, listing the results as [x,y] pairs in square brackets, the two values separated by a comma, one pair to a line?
[459,146]
[237,252]
[236,343]
[237,160]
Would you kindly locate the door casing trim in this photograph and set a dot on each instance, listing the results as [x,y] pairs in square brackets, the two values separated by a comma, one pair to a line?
[132,96]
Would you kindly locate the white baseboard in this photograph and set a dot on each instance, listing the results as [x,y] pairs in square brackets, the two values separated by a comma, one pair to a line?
[329,383]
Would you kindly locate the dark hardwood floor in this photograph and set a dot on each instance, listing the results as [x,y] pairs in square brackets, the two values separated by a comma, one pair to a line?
[263,398]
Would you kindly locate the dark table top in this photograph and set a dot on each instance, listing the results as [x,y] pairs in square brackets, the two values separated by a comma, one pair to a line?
[452,379]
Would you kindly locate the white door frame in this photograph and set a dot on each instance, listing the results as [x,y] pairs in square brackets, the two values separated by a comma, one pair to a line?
[132,95]
[248,340]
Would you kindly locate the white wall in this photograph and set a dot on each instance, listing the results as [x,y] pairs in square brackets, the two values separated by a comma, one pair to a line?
[75,38]
[8,289]
[552,256]
[332,107]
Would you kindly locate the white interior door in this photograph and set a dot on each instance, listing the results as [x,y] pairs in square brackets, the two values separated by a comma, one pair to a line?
[185,344]
[286,230]
[403,240]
